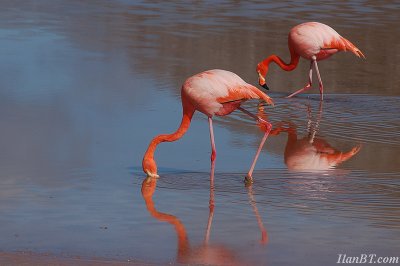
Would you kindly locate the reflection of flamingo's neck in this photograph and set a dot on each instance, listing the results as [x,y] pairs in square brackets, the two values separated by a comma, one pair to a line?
[147,193]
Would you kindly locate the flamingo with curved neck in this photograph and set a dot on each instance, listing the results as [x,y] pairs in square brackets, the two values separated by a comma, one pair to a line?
[313,41]
[213,92]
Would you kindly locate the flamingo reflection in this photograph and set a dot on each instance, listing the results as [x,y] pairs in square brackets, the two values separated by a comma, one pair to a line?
[207,254]
[311,152]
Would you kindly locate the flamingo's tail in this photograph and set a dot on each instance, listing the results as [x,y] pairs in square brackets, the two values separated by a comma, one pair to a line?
[348,46]
[262,95]
[342,44]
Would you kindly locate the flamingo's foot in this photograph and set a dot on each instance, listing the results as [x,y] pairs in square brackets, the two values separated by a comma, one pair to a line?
[248,180]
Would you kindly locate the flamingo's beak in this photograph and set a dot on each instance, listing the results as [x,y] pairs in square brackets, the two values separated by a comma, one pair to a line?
[265,86]
[261,81]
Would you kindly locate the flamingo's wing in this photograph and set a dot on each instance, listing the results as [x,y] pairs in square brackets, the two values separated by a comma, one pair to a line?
[242,93]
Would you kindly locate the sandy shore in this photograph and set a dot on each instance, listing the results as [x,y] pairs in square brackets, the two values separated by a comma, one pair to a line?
[30,258]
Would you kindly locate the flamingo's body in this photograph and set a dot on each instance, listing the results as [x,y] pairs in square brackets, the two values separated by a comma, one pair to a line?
[218,92]
[313,41]
[213,92]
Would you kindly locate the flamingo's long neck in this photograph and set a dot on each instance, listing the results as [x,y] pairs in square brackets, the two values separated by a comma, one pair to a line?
[148,163]
[294,60]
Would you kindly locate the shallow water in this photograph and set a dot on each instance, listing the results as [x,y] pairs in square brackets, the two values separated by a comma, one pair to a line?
[84,87]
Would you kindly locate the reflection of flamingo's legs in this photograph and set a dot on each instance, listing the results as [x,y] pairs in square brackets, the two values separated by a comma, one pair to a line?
[309,120]
[264,235]
[312,131]
[268,126]
[211,204]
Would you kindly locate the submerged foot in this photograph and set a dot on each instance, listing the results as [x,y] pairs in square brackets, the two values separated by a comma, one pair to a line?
[248,180]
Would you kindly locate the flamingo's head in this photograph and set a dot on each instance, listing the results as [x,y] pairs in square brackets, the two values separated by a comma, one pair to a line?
[150,167]
[262,70]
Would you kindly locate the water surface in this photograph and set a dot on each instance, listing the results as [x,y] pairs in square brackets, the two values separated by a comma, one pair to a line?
[85,86]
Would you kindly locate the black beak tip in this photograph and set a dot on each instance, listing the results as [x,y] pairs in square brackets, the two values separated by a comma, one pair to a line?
[265,86]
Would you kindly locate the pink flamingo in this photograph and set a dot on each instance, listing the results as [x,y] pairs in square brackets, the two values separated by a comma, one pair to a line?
[214,92]
[313,41]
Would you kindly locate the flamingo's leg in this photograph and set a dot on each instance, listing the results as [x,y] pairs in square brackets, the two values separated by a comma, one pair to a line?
[268,126]
[211,203]
[213,150]
[321,86]
[308,86]
[249,177]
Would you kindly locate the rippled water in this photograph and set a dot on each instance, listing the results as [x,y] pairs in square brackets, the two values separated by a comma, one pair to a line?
[84,87]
